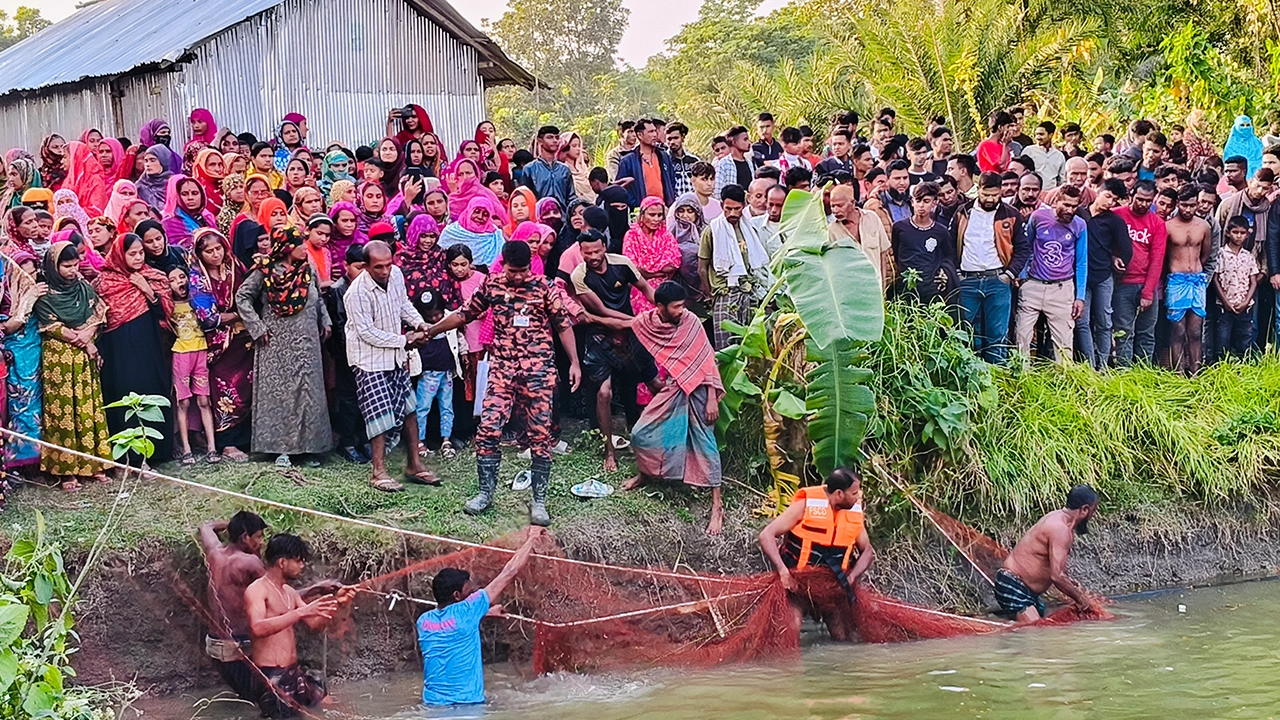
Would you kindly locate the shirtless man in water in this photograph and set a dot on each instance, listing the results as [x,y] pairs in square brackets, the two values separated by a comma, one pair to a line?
[1040,560]
[274,607]
[1187,251]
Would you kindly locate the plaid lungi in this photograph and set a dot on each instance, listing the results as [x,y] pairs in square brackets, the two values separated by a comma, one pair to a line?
[385,397]
[735,306]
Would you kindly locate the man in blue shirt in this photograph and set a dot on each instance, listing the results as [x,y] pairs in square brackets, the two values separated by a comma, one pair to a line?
[449,636]
[546,176]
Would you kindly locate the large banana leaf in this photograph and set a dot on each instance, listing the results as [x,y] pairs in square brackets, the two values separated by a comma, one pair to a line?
[838,404]
[834,287]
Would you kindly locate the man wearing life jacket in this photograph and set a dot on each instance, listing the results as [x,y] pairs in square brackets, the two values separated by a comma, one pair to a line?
[823,527]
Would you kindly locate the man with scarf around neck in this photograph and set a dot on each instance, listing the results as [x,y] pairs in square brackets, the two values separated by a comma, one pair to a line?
[1039,560]
[731,262]
[526,312]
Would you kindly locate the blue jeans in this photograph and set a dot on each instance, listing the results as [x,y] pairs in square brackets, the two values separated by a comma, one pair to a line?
[1093,329]
[1135,333]
[1235,332]
[987,305]
[435,384]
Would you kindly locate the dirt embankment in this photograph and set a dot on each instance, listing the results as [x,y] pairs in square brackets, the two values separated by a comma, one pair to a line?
[134,623]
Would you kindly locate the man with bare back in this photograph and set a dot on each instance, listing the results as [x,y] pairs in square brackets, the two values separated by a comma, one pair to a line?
[1039,560]
[273,608]
[232,567]
[1187,252]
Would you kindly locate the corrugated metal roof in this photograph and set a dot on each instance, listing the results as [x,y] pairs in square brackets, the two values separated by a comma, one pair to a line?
[115,37]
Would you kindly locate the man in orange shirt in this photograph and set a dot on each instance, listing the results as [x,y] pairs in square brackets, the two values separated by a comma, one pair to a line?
[649,168]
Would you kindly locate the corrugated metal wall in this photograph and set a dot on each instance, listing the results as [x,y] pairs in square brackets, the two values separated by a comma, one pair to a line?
[341,63]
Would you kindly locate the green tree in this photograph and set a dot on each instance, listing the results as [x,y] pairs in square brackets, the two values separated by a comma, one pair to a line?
[26,21]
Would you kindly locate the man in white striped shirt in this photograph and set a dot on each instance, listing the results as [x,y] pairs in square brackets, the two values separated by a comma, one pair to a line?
[378,306]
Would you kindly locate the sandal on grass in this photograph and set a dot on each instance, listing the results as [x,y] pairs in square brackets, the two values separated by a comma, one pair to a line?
[385,483]
[447,451]
[188,459]
[423,477]
[234,454]
[213,458]
[101,478]
[71,485]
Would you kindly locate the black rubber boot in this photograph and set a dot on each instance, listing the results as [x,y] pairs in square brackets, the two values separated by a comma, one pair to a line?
[541,476]
[487,472]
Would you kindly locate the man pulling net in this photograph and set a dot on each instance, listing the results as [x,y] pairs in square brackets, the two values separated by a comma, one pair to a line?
[1040,560]
[823,527]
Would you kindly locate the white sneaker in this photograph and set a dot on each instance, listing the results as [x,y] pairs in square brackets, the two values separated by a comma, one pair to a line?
[561,448]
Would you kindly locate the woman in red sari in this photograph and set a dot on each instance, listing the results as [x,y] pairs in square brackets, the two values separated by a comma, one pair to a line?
[215,277]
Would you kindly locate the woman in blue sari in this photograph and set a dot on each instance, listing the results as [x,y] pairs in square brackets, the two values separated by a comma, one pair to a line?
[476,229]
[23,397]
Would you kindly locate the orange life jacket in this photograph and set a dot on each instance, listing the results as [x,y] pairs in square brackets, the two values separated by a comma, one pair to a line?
[820,527]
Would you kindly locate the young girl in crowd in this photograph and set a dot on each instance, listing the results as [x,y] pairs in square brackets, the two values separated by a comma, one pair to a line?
[190,369]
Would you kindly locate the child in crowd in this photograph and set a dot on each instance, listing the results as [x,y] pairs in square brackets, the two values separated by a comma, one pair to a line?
[469,280]
[41,241]
[372,171]
[344,413]
[440,364]
[1235,283]
[190,369]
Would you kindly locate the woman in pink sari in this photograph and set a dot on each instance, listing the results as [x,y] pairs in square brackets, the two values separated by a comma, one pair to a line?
[85,177]
[652,247]
[463,181]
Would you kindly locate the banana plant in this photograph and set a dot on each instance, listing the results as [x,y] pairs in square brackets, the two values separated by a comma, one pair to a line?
[799,361]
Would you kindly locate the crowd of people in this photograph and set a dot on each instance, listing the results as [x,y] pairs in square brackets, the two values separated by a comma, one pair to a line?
[295,298]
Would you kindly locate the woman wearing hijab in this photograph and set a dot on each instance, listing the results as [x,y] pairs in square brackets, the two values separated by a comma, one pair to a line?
[422,259]
[685,222]
[135,212]
[463,181]
[53,158]
[67,205]
[215,277]
[281,307]
[185,211]
[410,199]
[248,241]
[21,177]
[21,360]
[573,154]
[372,204]
[257,190]
[91,137]
[84,177]
[288,138]
[227,142]
[70,315]
[436,203]
[652,248]
[153,184]
[115,162]
[203,127]
[388,152]
[346,232]
[520,208]
[306,202]
[434,157]
[233,201]
[614,200]
[233,163]
[477,229]
[123,192]
[209,170]
[336,166]
[135,355]
[22,228]
[156,132]
[342,191]
[157,252]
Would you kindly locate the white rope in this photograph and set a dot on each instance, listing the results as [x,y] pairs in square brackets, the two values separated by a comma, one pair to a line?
[396,596]
[357,521]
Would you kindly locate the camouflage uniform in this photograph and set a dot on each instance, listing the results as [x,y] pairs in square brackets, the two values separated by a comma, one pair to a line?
[522,370]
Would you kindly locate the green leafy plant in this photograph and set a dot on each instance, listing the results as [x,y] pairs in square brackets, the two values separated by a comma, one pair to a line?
[38,638]
[140,439]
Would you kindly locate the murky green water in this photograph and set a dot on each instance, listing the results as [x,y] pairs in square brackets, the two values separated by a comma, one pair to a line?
[1218,659]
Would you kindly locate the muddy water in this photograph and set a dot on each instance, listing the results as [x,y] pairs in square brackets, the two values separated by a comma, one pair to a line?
[1211,653]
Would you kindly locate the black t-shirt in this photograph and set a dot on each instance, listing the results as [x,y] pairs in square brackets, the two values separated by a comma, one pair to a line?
[613,286]
[767,151]
[745,176]
[938,167]
[1108,238]
[436,355]
[917,178]
[925,251]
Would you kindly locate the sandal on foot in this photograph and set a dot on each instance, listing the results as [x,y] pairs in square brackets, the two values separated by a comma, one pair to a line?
[188,459]
[213,458]
[101,478]
[385,483]
[70,485]
[234,454]
[448,451]
[425,477]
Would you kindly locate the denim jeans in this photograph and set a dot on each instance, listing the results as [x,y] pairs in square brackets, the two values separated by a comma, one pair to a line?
[1135,333]
[1093,329]
[433,385]
[1235,332]
[986,304]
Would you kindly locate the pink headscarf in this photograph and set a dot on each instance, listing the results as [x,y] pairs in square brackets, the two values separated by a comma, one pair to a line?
[460,197]
[111,174]
[67,204]
[480,201]
[119,201]
[528,231]
[211,127]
